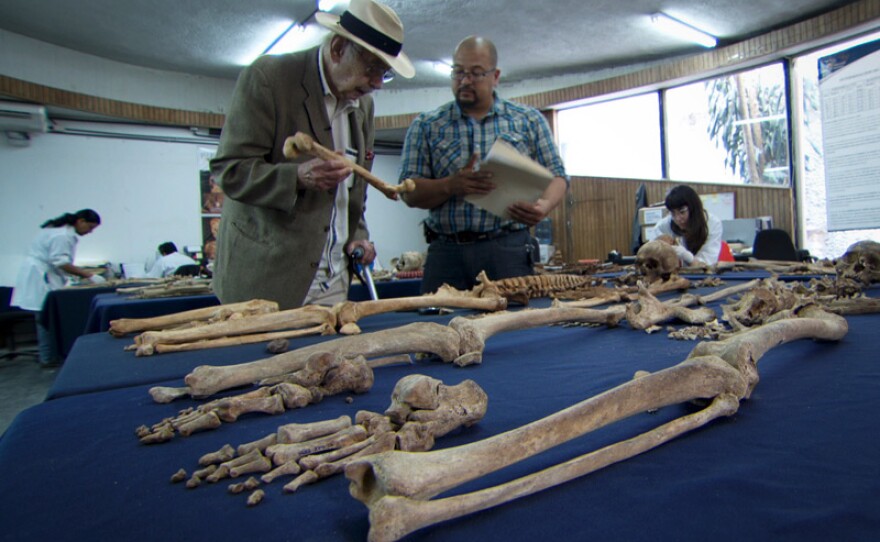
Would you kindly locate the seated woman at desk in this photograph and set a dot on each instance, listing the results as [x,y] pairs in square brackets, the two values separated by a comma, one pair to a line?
[694,232]
[169,261]
[47,267]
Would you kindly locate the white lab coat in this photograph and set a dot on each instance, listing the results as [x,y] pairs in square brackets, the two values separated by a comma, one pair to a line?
[165,266]
[710,250]
[40,273]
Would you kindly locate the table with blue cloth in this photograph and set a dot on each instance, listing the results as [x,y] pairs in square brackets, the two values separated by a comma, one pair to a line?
[107,307]
[797,462]
[65,313]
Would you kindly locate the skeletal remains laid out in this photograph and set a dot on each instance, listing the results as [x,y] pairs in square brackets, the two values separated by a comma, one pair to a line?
[769,313]
[422,409]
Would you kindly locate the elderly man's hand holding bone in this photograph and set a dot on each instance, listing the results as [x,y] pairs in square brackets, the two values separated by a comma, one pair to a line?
[335,168]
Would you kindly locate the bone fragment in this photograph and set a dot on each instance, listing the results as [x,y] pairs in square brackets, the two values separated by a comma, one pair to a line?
[256,497]
[247,485]
[382,443]
[225,453]
[124,326]
[165,394]
[259,444]
[306,477]
[291,467]
[309,462]
[300,432]
[283,453]
[417,337]
[649,311]
[260,464]
[301,143]
[178,476]
[473,332]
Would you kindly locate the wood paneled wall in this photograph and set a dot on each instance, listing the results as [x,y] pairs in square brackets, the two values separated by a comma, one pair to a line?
[598,214]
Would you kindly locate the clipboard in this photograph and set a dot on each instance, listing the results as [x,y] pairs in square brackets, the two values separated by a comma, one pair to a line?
[516,177]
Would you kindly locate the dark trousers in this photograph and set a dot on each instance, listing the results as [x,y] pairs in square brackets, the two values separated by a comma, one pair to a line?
[458,264]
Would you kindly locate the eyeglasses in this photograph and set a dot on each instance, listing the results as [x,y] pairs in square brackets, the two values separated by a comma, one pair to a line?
[475,75]
[374,68]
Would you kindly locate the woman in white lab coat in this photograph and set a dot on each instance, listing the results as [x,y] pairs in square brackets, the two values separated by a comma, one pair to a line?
[696,233]
[48,265]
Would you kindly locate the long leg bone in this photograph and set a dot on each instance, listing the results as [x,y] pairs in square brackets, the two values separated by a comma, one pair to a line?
[425,337]
[124,326]
[725,371]
[310,315]
[301,143]
[350,312]
[475,331]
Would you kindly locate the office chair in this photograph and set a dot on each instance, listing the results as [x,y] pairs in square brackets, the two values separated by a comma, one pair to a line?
[189,270]
[15,324]
[774,244]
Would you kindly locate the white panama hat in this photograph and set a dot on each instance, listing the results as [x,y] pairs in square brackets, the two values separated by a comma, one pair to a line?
[375,27]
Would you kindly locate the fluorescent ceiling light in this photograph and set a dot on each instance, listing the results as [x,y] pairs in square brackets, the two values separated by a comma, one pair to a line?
[682,30]
[442,67]
[328,5]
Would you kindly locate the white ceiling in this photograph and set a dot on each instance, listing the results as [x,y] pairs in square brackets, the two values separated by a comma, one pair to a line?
[534,38]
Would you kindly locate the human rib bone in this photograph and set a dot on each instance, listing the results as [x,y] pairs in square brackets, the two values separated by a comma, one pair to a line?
[301,143]
[395,485]
[123,326]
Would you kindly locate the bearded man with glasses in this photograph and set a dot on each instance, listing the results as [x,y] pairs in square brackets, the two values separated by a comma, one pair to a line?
[441,152]
[287,226]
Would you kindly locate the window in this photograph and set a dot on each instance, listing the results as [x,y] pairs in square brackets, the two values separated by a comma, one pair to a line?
[811,192]
[619,138]
[730,129]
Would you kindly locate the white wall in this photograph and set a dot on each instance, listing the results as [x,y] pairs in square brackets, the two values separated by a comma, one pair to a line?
[394,227]
[146,192]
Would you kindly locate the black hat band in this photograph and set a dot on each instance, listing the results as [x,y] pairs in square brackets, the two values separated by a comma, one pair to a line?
[377,39]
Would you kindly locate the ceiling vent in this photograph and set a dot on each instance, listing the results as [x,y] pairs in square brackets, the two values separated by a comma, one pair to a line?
[20,117]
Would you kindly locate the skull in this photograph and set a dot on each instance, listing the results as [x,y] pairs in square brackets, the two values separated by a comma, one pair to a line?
[408,261]
[860,262]
[656,260]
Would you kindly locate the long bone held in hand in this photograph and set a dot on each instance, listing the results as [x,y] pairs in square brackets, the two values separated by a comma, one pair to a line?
[301,143]
[395,485]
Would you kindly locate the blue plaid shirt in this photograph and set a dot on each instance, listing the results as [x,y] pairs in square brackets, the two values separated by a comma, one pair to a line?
[440,142]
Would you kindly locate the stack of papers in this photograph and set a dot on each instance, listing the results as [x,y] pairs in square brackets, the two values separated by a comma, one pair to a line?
[516,178]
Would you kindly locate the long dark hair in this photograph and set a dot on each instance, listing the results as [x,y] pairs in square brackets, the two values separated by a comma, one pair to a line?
[69,219]
[697,230]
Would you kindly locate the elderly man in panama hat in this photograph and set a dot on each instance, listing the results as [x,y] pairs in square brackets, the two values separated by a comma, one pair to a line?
[286,226]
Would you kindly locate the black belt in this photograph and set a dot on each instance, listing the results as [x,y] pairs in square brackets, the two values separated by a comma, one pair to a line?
[468,237]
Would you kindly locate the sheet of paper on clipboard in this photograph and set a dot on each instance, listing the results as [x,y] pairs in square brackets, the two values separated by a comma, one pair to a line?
[516,178]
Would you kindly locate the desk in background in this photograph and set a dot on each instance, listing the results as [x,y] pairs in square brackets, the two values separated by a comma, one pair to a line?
[65,313]
[797,462]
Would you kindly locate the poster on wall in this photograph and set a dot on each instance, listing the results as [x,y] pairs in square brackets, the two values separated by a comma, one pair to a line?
[849,86]
[212,203]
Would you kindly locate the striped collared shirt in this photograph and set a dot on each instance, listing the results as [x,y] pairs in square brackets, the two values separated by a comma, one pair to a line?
[440,142]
